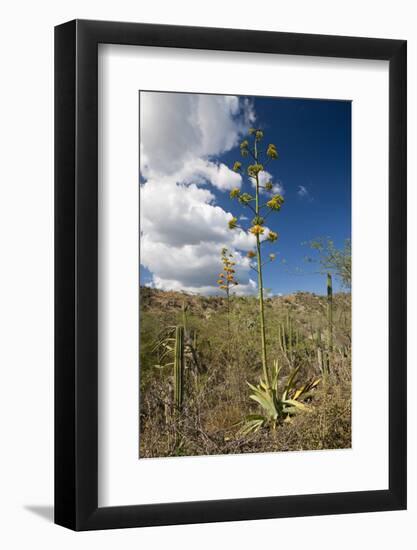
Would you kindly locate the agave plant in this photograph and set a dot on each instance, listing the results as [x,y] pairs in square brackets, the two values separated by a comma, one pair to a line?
[278,403]
[227,280]
[261,156]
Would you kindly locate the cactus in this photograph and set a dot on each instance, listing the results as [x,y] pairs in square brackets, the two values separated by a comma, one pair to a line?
[179,367]
[320,359]
[184,315]
[288,337]
[330,312]
[323,356]
[289,327]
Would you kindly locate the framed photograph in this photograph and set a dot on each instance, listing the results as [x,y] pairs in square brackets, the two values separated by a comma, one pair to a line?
[230,253]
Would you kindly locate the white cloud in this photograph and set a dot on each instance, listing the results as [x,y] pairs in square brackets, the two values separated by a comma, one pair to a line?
[191,267]
[176,128]
[265,177]
[204,171]
[182,228]
[302,191]
[177,214]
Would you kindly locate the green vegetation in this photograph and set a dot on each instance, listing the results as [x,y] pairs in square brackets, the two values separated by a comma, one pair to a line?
[278,406]
[216,409]
[334,259]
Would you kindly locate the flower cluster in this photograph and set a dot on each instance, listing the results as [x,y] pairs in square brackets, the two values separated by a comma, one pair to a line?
[276,202]
[257,230]
[254,169]
[272,152]
[258,220]
[244,148]
[245,198]
[237,166]
[235,192]
[227,276]
[272,236]
[233,223]
[256,132]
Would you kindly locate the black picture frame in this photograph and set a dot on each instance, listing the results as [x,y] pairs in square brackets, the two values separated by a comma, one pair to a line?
[76,272]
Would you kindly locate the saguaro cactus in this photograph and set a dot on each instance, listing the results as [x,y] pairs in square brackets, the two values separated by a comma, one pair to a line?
[179,367]
[330,311]
[288,337]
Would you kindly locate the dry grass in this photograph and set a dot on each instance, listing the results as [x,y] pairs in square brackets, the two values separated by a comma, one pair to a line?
[216,393]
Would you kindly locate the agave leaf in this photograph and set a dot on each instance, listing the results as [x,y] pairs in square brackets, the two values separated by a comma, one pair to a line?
[315,383]
[253,422]
[266,404]
[255,417]
[263,385]
[261,400]
[290,382]
[275,378]
[299,392]
[259,391]
[306,395]
[252,426]
[296,404]
[291,378]
[290,410]
[252,387]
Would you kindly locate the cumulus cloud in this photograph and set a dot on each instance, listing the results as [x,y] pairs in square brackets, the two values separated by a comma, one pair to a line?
[182,227]
[204,171]
[176,128]
[192,267]
[266,177]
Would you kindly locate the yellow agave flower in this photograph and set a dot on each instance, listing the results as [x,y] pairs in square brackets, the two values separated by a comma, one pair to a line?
[272,151]
[233,223]
[275,203]
[257,230]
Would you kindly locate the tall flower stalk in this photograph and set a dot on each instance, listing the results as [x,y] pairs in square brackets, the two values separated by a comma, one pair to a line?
[227,280]
[252,148]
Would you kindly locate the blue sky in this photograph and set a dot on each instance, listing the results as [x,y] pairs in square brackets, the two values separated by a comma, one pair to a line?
[313,138]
